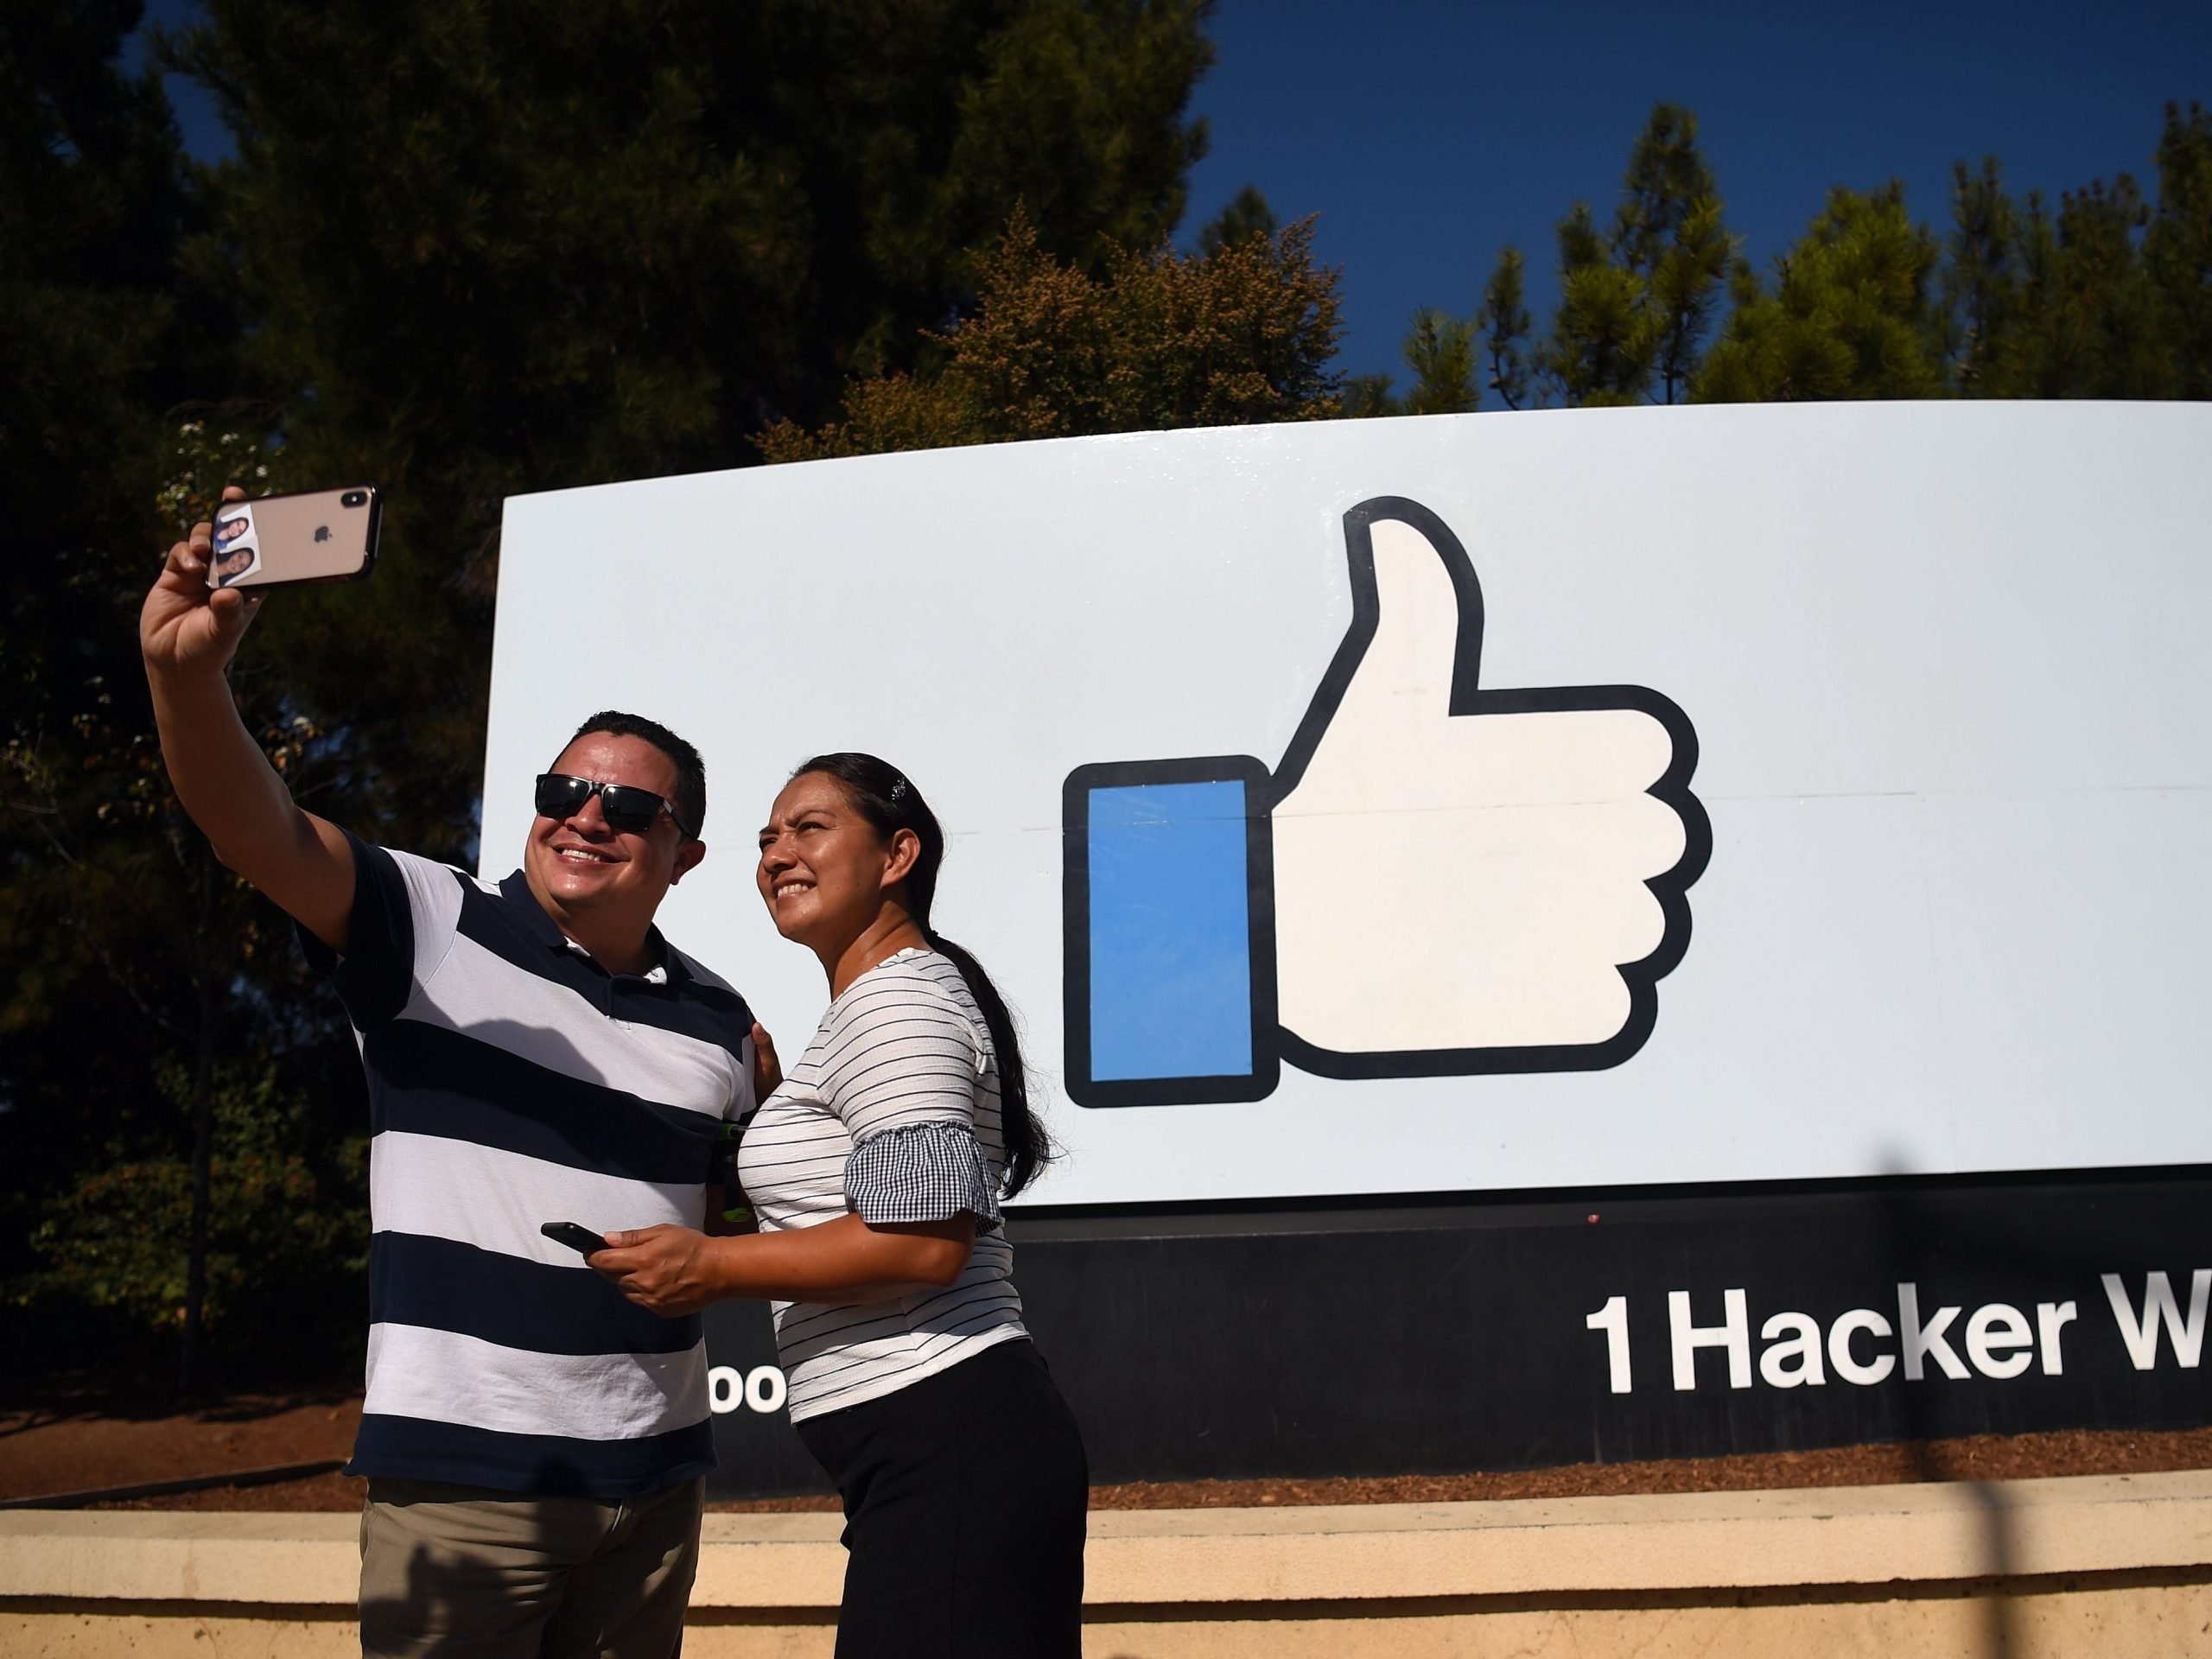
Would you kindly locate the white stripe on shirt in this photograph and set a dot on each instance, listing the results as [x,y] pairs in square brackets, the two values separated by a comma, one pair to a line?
[535,1020]
[497,1200]
[447,1378]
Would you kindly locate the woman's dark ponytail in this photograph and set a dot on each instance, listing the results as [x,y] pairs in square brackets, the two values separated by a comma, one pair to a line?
[888,800]
[1027,1149]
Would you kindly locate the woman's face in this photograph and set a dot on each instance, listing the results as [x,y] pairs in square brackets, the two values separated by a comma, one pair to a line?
[824,868]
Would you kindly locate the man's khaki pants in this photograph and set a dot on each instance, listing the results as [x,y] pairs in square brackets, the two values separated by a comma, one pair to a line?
[462,1572]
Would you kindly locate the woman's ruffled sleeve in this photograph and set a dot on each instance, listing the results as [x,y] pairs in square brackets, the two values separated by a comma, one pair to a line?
[922,1172]
[901,1071]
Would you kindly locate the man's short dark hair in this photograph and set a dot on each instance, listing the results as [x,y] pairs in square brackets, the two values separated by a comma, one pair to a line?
[690,798]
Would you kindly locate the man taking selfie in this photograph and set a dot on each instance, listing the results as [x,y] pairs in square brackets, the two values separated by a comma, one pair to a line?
[536,1445]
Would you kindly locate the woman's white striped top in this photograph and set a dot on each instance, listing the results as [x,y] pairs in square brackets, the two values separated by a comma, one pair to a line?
[902,1068]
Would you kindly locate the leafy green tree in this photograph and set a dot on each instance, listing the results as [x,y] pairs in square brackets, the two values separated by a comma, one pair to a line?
[1364,397]
[1246,217]
[139,974]
[97,337]
[2109,297]
[1635,306]
[1981,281]
[2178,246]
[1073,108]
[1851,315]
[284,1230]
[1666,180]
[2092,323]
[1441,351]
[1160,339]
[1603,335]
[1504,322]
[90,210]
[152,987]
[1668,232]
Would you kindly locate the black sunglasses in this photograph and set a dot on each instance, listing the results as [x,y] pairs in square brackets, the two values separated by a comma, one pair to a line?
[625,806]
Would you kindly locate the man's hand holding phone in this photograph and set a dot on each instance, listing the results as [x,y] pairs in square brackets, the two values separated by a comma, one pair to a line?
[189,629]
[275,541]
[187,626]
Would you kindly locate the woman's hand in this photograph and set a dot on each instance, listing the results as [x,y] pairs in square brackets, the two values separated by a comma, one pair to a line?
[768,1070]
[667,1270]
[674,1271]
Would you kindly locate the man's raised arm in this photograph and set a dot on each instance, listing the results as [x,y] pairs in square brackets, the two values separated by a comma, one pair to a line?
[189,633]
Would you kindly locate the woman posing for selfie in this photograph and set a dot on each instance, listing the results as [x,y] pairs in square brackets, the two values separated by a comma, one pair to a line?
[875,1171]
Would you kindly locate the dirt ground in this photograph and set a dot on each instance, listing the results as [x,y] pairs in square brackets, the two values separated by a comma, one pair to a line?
[65,1445]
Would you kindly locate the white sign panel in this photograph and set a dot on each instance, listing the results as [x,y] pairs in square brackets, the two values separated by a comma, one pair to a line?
[1477,802]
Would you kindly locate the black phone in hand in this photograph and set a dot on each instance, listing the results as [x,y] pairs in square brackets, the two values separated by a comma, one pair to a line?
[577,1237]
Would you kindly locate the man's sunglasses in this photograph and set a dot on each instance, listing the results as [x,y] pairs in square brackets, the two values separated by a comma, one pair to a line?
[625,806]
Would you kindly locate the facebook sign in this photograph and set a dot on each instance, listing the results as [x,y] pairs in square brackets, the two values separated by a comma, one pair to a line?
[1220,917]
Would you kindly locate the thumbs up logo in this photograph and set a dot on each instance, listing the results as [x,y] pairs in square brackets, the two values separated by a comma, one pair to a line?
[1437,879]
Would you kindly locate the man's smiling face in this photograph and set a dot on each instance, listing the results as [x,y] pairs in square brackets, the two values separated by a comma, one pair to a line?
[580,867]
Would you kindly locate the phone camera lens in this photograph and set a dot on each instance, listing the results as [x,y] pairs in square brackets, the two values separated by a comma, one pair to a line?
[354,499]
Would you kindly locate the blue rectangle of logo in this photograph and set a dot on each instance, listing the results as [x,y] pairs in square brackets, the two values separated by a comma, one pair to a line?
[1171,940]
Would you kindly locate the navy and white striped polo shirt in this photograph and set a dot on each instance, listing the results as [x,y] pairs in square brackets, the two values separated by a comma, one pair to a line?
[513,1080]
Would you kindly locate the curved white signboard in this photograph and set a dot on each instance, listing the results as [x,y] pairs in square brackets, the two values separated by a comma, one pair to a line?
[1479,802]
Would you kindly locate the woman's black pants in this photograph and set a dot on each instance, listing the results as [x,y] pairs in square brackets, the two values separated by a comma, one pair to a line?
[965,1498]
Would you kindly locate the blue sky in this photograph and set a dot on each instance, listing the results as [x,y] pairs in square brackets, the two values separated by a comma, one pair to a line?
[1427,136]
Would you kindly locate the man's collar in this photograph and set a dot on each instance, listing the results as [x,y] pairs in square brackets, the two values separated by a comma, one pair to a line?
[667,970]
[516,890]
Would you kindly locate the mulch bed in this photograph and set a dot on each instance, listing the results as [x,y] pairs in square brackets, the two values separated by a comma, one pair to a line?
[72,1443]
[76,1444]
[1978,1457]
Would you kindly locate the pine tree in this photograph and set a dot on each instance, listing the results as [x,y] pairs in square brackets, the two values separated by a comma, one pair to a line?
[1635,306]
[1245,218]
[1367,396]
[1851,313]
[2178,246]
[2093,318]
[1504,322]
[1981,283]
[1441,351]
[2109,297]
[1603,336]
[1669,232]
